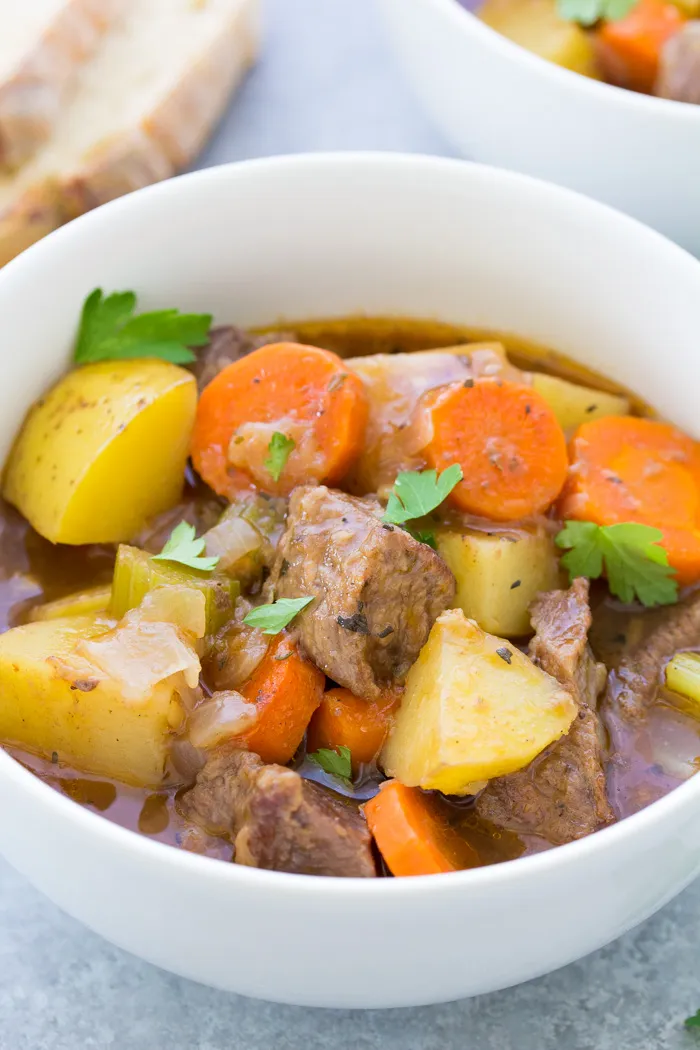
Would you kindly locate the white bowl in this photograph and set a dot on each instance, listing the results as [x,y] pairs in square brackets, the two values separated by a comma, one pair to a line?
[335,235]
[503,105]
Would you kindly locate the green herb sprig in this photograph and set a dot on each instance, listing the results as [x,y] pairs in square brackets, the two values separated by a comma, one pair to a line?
[588,12]
[631,555]
[338,763]
[184,548]
[279,451]
[416,493]
[109,331]
[275,617]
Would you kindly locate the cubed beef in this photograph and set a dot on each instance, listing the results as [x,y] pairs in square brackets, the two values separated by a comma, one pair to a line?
[633,685]
[561,795]
[377,590]
[277,820]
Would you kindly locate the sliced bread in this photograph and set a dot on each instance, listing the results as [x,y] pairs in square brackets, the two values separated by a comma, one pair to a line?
[43,43]
[142,109]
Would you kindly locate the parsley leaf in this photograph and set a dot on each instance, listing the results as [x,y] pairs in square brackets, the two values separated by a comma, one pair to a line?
[184,548]
[279,450]
[338,762]
[588,12]
[426,536]
[109,331]
[416,493]
[275,617]
[694,1021]
[635,562]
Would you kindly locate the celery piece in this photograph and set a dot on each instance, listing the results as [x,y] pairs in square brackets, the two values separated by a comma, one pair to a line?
[83,603]
[683,678]
[136,574]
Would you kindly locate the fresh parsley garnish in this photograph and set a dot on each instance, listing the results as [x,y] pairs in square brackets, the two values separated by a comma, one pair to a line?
[634,561]
[275,617]
[417,492]
[426,536]
[184,548]
[588,12]
[338,763]
[109,331]
[694,1021]
[278,453]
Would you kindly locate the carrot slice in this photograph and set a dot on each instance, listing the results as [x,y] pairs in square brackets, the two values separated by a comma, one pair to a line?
[411,836]
[286,689]
[346,720]
[507,440]
[628,469]
[628,50]
[305,393]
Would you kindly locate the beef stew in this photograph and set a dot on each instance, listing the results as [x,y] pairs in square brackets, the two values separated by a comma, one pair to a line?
[395,622]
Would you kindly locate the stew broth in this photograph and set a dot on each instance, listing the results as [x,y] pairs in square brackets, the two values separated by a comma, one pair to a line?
[659,755]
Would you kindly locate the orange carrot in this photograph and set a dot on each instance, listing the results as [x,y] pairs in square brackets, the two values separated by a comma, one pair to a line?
[302,392]
[507,440]
[628,469]
[411,836]
[286,689]
[628,50]
[346,720]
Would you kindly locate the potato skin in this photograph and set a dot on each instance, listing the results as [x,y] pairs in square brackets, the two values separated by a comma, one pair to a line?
[474,708]
[103,451]
[82,717]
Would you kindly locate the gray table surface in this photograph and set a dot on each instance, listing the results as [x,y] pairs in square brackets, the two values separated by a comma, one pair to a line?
[328,81]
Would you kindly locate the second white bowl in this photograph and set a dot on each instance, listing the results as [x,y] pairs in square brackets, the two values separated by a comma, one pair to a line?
[505,106]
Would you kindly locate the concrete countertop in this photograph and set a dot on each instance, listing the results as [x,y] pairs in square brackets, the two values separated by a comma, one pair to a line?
[328,81]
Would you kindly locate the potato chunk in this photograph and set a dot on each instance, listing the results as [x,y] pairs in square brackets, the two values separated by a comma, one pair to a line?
[103,451]
[499,573]
[106,701]
[537,26]
[475,707]
[574,404]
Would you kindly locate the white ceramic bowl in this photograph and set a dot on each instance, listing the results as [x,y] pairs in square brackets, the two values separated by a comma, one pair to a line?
[503,105]
[335,235]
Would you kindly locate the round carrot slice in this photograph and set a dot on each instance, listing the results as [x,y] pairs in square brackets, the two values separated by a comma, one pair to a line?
[506,439]
[629,469]
[304,395]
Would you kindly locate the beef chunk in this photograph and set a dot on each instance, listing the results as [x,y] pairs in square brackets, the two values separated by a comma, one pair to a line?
[378,591]
[632,687]
[278,820]
[228,344]
[561,795]
[679,69]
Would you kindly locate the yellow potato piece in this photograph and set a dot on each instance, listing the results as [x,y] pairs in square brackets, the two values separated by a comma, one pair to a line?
[94,600]
[499,572]
[574,404]
[103,451]
[475,707]
[536,26]
[55,699]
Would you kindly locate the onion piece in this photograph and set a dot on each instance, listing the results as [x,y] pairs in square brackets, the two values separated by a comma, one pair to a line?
[232,539]
[224,716]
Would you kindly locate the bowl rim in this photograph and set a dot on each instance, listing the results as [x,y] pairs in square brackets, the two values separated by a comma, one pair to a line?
[608,94]
[151,851]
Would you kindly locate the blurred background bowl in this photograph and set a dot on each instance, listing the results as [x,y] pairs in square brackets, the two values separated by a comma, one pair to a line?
[502,105]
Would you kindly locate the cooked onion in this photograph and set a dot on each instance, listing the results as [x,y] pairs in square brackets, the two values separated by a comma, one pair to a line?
[138,655]
[226,715]
[186,759]
[231,540]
